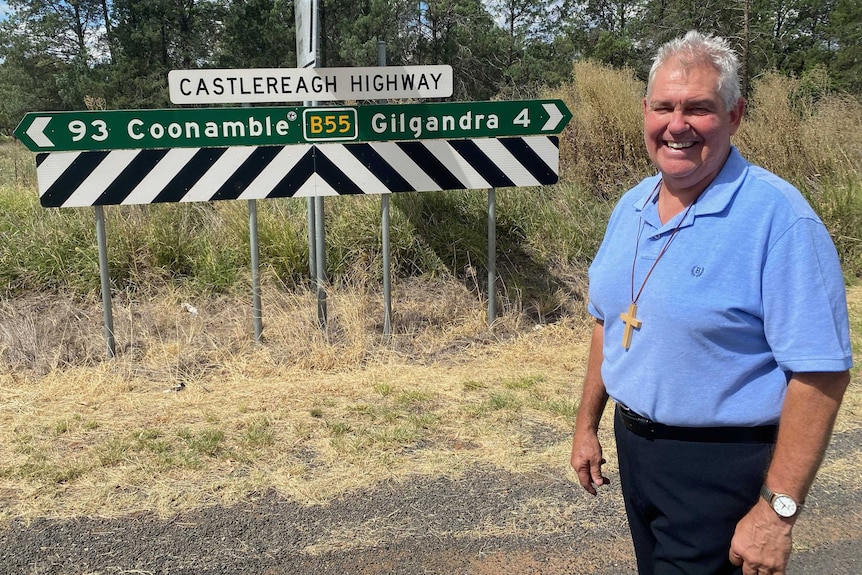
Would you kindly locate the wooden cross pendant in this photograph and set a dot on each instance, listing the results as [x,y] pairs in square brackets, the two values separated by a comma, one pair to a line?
[632,323]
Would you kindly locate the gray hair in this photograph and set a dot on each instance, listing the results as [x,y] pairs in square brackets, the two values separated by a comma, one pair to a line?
[694,49]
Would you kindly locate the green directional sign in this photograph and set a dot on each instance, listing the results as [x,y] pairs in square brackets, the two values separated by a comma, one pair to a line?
[155,129]
[462,120]
[330,124]
[227,127]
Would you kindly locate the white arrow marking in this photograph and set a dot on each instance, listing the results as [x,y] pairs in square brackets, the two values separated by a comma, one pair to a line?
[555,116]
[36,131]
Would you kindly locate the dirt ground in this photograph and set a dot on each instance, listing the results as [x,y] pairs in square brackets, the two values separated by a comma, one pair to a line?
[487,521]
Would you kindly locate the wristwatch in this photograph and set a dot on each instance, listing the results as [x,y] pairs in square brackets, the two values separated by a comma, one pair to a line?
[783,505]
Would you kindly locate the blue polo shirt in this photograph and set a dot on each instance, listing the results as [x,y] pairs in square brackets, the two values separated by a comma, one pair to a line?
[749,291]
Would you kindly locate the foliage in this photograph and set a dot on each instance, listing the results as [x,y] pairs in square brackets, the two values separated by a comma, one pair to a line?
[845,30]
[800,129]
[602,149]
[258,34]
[54,55]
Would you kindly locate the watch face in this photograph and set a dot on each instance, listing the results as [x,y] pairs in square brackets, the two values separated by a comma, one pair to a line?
[785,506]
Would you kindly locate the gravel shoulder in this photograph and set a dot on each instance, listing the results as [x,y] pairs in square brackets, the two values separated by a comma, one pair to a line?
[487,521]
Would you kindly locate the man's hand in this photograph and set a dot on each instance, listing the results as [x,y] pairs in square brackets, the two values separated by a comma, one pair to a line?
[587,460]
[587,457]
[762,542]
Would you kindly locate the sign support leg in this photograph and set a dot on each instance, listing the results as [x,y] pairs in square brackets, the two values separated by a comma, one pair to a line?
[106,281]
[321,261]
[387,275]
[492,256]
[384,235]
[312,238]
[257,312]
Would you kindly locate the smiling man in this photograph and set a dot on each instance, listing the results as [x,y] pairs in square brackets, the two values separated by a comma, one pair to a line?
[721,334]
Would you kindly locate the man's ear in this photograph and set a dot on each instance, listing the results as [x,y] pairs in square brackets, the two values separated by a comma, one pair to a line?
[736,114]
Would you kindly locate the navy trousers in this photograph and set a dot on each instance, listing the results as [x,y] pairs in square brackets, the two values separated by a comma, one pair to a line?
[684,498]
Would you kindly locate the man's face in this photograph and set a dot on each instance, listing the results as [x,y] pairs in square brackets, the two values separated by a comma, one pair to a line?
[686,127]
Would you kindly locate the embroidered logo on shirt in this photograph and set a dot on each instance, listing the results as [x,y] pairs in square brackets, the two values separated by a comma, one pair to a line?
[697,271]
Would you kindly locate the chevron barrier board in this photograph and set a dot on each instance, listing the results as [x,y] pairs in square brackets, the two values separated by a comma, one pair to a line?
[94,178]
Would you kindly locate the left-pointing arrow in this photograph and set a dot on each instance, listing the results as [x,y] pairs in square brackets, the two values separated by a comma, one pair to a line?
[36,131]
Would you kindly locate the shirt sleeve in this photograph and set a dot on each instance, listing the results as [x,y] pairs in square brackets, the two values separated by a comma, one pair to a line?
[804,301]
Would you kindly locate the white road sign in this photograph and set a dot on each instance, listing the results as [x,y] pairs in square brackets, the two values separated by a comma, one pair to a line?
[274,85]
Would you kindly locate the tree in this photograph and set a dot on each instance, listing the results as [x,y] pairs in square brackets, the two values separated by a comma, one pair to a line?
[66,29]
[462,33]
[258,34]
[536,53]
[351,31]
[28,79]
[610,31]
[45,55]
[156,36]
[846,42]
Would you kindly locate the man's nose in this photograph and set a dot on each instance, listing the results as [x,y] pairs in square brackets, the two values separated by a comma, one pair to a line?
[678,121]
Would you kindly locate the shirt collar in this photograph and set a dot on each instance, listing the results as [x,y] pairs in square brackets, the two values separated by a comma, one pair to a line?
[717,195]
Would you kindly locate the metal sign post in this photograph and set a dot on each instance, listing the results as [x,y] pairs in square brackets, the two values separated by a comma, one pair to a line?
[308,57]
[384,233]
[492,256]
[105,276]
[307,33]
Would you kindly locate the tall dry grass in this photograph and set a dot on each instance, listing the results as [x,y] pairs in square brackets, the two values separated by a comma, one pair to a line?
[794,127]
[602,149]
[798,129]
[801,131]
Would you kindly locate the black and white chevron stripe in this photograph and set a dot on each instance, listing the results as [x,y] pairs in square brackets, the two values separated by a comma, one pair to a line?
[75,179]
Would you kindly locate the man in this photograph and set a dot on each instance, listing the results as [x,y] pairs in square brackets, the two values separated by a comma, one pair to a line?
[721,333]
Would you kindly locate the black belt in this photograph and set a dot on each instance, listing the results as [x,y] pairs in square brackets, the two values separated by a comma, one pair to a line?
[652,430]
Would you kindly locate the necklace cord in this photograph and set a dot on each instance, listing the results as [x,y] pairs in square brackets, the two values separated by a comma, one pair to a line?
[664,248]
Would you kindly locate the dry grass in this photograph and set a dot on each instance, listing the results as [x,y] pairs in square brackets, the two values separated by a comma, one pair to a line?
[797,129]
[310,414]
[602,149]
[306,413]
[850,417]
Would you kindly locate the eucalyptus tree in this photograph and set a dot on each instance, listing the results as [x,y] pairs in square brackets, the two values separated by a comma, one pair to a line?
[536,52]
[66,29]
[463,34]
[609,31]
[157,36]
[846,42]
[48,49]
[257,34]
[352,29]
[28,79]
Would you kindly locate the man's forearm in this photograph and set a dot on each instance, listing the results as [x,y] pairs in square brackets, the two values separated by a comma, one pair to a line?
[762,541]
[594,397]
[810,408]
